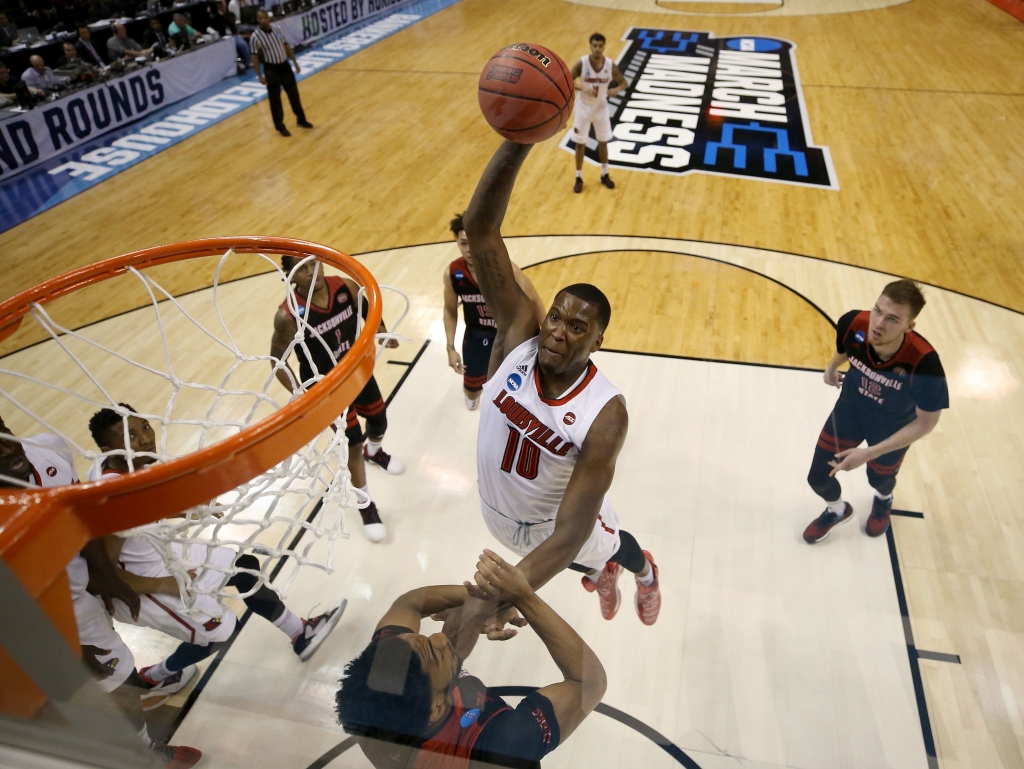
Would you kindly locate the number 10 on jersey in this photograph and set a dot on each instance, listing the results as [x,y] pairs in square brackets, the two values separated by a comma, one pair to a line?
[529,455]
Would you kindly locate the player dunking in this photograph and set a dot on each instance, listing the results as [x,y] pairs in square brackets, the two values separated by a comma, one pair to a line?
[892,395]
[331,320]
[552,425]
[594,74]
[460,286]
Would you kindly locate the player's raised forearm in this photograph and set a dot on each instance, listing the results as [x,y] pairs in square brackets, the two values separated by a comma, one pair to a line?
[434,599]
[487,209]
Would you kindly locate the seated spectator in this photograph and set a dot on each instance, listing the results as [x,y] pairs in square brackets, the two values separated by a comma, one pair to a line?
[41,77]
[9,84]
[223,22]
[99,10]
[76,69]
[155,37]
[8,32]
[120,46]
[180,31]
[86,50]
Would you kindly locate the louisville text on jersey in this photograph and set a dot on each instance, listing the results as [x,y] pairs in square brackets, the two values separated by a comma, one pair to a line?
[530,426]
[697,103]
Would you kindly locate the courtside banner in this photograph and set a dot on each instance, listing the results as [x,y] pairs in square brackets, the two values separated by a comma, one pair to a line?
[50,130]
[729,106]
[326,19]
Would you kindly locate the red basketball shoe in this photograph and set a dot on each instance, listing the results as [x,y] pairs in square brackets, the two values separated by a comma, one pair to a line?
[821,526]
[607,589]
[878,521]
[177,756]
[648,599]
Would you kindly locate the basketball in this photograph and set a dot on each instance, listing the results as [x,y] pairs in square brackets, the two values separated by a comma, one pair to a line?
[526,93]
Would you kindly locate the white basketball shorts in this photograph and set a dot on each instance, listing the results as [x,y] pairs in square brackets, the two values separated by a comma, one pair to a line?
[167,614]
[586,114]
[522,538]
[96,629]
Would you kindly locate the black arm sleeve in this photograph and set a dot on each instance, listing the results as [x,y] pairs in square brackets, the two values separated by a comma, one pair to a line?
[929,384]
[527,733]
[842,328]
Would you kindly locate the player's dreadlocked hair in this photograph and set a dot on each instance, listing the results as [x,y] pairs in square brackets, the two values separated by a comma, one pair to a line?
[287,262]
[385,693]
[103,420]
[456,225]
[592,295]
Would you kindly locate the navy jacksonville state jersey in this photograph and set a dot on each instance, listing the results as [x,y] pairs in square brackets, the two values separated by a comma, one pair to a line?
[890,390]
[331,330]
[474,308]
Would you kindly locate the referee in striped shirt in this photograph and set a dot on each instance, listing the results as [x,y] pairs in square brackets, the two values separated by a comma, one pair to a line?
[269,45]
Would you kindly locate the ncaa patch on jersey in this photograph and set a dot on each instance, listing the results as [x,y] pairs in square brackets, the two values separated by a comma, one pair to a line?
[469,717]
[729,106]
[514,382]
[569,418]
[859,336]
[459,275]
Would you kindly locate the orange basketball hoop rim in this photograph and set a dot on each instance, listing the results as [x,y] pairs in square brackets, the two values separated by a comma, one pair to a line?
[42,529]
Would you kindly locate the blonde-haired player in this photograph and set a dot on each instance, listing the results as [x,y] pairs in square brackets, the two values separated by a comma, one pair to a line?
[594,74]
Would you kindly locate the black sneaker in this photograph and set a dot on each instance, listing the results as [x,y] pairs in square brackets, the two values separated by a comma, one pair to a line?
[384,460]
[283,131]
[304,124]
[316,629]
[606,180]
[822,525]
[373,528]
[878,521]
[578,186]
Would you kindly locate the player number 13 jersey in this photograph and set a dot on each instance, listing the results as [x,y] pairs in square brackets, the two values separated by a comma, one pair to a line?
[527,445]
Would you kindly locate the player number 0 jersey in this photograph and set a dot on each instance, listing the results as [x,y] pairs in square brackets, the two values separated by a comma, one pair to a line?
[527,445]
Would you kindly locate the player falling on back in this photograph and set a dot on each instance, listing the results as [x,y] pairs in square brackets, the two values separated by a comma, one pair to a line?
[892,395]
[203,630]
[331,321]
[460,286]
[594,74]
[552,425]
[45,461]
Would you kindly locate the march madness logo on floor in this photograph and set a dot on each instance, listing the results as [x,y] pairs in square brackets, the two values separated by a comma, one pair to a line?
[730,105]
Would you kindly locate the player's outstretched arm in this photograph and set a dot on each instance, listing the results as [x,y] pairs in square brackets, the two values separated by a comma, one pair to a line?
[584,680]
[510,306]
[591,478]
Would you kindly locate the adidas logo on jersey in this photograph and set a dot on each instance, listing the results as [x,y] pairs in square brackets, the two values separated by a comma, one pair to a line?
[522,368]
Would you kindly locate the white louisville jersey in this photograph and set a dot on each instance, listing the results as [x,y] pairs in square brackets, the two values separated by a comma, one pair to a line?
[527,445]
[593,79]
[140,557]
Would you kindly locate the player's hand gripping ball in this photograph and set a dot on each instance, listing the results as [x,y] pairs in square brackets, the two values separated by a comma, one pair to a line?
[526,93]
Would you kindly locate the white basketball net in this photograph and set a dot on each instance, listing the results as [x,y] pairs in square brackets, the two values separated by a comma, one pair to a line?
[185,368]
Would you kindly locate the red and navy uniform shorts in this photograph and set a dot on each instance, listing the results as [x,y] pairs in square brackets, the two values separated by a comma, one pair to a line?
[476,356]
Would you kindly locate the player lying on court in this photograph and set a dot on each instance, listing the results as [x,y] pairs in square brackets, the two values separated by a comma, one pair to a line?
[45,461]
[552,425]
[330,331]
[892,395]
[143,569]
[410,703]
[460,285]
